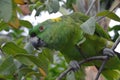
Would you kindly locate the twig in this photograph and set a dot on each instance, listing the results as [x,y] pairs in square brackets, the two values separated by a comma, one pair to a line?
[91,5]
[98,6]
[116,43]
[81,62]
[101,68]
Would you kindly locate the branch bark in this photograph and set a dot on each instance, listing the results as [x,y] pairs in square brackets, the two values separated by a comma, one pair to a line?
[82,62]
[91,5]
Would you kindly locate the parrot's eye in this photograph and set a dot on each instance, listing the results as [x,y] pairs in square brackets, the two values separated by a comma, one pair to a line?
[41,28]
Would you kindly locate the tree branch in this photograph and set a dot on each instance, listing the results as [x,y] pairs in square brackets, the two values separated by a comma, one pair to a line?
[81,62]
[101,68]
[91,5]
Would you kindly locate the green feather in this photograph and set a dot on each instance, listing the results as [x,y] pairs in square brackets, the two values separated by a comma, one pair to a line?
[67,37]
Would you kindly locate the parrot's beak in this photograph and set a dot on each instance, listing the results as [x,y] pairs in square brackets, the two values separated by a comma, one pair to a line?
[37,42]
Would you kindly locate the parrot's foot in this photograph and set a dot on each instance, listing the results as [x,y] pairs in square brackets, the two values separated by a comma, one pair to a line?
[108,52]
[74,65]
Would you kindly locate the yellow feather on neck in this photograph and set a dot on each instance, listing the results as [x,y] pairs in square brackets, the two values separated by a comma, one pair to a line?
[56,19]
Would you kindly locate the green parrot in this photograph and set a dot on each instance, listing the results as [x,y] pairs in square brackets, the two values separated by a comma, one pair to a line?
[65,34]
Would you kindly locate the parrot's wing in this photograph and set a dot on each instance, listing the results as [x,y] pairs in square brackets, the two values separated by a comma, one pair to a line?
[101,32]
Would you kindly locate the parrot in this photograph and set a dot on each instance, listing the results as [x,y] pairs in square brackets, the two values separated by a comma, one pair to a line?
[65,34]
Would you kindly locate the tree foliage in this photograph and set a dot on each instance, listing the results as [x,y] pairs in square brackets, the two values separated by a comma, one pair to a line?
[18,59]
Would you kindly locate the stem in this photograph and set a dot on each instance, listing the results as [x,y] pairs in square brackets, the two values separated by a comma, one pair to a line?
[98,6]
[116,43]
[101,68]
[91,5]
[81,62]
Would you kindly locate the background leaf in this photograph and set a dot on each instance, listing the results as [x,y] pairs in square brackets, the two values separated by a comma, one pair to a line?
[12,48]
[3,25]
[89,26]
[109,14]
[53,6]
[71,76]
[7,67]
[5,10]
[40,61]
[48,54]
[25,23]
[116,30]
[27,72]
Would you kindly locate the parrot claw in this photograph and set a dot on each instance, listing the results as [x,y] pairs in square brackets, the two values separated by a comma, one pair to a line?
[108,52]
[74,65]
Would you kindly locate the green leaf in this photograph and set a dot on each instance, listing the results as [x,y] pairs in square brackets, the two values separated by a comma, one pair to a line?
[3,39]
[115,28]
[63,10]
[12,48]
[39,10]
[71,76]
[40,61]
[3,25]
[89,26]
[29,72]
[53,6]
[110,15]
[5,10]
[25,23]
[26,70]
[16,33]
[7,67]
[44,62]
[69,3]
[24,60]
[48,54]
[39,7]
[29,47]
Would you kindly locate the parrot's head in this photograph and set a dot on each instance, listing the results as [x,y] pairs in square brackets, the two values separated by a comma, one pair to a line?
[43,35]
[54,34]
[34,38]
